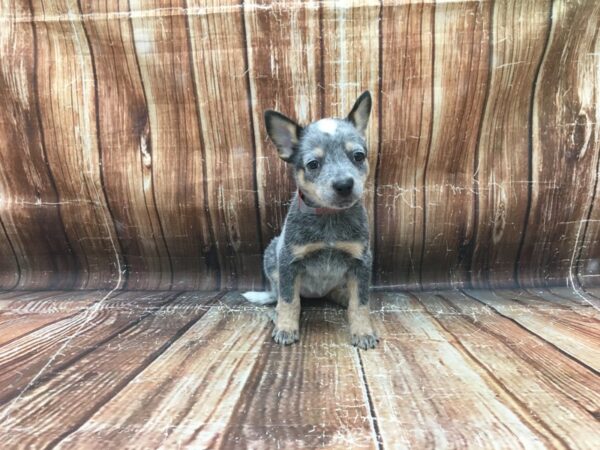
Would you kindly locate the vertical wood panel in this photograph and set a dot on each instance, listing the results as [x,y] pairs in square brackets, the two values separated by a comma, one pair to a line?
[406,104]
[67,102]
[587,267]
[565,145]
[350,65]
[221,79]
[10,272]
[588,264]
[125,140]
[460,67]
[503,177]
[132,137]
[284,60]
[178,156]
[34,251]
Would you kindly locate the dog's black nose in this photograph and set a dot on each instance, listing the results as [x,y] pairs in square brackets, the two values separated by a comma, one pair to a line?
[344,187]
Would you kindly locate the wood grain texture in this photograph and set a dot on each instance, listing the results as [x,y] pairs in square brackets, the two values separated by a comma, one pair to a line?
[244,387]
[44,348]
[10,271]
[503,179]
[555,227]
[67,104]
[134,152]
[188,370]
[27,312]
[284,63]
[34,250]
[427,393]
[350,54]
[539,375]
[459,93]
[177,154]
[307,395]
[168,401]
[587,262]
[97,374]
[406,74]
[587,297]
[573,333]
[221,79]
[125,143]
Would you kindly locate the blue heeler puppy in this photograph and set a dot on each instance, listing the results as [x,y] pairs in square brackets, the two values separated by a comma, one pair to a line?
[323,249]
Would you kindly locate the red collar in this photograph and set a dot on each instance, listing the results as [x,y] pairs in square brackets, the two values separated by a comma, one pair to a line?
[316,211]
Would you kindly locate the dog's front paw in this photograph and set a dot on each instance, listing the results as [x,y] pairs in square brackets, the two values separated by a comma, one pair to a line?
[365,341]
[286,337]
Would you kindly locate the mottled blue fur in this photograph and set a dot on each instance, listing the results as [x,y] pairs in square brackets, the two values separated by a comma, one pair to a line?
[329,253]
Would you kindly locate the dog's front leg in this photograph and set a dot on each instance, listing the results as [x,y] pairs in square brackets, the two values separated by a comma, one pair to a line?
[361,329]
[287,324]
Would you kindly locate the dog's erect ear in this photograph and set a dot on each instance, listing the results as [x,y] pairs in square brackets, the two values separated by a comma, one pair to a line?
[284,132]
[359,116]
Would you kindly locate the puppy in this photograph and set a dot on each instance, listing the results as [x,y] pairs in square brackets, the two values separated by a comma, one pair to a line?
[323,248]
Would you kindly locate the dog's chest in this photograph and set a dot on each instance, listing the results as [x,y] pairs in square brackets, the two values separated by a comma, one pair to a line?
[323,273]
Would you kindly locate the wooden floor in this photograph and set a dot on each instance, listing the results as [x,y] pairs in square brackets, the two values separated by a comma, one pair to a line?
[454,369]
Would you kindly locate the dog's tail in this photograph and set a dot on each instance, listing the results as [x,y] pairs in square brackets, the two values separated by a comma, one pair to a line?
[260,298]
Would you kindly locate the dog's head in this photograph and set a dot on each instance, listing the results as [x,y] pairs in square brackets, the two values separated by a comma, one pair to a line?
[329,156]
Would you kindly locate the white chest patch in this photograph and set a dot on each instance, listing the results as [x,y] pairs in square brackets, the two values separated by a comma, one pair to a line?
[319,280]
[327,126]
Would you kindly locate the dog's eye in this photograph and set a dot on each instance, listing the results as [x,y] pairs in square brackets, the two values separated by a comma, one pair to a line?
[313,165]
[359,156]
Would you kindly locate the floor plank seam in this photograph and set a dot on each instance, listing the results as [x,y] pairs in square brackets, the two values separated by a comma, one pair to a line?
[34,330]
[151,358]
[517,365]
[552,290]
[44,377]
[94,347]
[533,333]
[88,315]
[370,406]
[523,409]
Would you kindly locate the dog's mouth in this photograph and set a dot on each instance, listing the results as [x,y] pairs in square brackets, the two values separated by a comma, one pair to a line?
[331,200]
[335,201]
[344,203]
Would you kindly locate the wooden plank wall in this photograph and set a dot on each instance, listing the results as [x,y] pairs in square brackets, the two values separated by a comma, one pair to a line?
[133,152]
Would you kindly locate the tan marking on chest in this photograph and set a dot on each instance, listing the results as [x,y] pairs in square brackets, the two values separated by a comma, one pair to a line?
[300,251]
[353,248]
